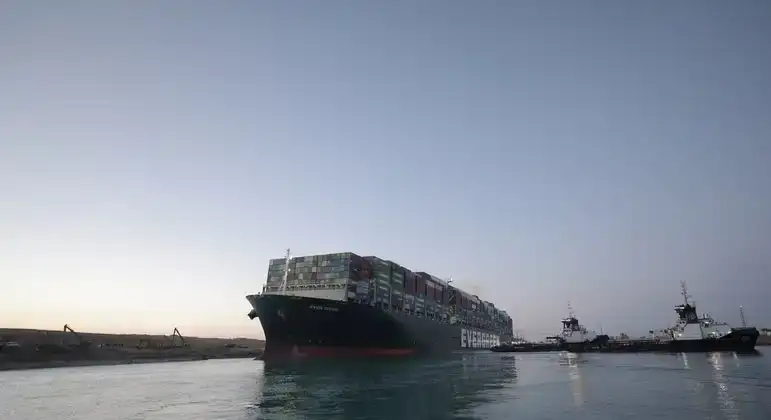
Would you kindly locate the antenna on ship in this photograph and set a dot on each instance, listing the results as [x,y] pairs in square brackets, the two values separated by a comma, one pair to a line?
[570,310]
[684,291]
[741,314]
[286,271]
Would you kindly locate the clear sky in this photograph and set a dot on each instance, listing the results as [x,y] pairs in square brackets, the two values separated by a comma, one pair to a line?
[155,155]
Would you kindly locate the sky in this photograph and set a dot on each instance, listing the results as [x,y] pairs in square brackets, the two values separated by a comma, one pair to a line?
[155,155]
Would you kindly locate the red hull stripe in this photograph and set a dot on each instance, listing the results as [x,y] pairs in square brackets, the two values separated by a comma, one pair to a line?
[319,351]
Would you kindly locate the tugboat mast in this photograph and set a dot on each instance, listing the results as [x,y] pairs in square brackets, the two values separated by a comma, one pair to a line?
[741,314]
[286,272]
[684,292]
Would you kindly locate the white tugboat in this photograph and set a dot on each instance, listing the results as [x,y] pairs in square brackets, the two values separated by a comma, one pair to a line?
[691,333]
[694,333]
[575,337]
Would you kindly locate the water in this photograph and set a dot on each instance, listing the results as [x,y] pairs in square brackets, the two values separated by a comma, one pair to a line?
[483,385]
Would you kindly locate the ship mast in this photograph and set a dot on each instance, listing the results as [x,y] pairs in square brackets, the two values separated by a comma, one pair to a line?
[741,314]
[286,271]
[570,310]
[684,292]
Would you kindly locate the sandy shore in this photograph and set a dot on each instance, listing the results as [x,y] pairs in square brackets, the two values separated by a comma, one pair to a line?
[41,349]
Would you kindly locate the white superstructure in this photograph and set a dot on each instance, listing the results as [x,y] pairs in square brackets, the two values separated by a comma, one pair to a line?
[333,289]
[691,326]
[573,332]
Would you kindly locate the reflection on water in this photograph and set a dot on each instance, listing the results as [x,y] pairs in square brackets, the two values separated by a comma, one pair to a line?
[380,389]
[684,357]
[714,382]
[484,386]
[573,360]
[727,405]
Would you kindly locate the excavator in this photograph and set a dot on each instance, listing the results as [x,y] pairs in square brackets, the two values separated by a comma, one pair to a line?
[172,343]
[182,342]
[82,343]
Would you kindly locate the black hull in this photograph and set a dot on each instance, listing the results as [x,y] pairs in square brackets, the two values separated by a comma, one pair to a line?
[527,348]
[741,340]
[308,327]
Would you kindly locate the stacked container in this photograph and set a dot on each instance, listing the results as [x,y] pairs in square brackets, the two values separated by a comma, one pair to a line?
[329,271]
[409,302]
[276,271]
[397,286]
[422,283]
[420,305]
[438,292]
[375,281]
[410,282]
[381,279]
[423,303]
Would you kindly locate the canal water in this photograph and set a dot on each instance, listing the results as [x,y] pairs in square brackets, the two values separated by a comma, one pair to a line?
[472,386]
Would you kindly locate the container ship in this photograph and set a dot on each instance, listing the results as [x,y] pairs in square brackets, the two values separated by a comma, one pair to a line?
[346,305]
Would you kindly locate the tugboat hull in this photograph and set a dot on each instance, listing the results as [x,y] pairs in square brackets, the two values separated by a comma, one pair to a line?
[691,334]
[741,340]
[526,348]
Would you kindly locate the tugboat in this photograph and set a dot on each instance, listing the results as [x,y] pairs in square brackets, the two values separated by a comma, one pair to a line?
[573,338]
[694,333]
[576,338]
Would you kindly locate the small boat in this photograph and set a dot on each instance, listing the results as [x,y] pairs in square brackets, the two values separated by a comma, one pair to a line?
[575,337]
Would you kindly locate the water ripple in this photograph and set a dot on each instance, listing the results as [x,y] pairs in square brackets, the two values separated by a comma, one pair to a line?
[483,385]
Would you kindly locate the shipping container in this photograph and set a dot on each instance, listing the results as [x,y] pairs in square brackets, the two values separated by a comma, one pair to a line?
[379,265]
[332,276]
[409,302]
[442,295]
[397,299]
[424,287]
[429,289]
[397,276]
[420,305]
[409,282]
[431,308]
[362,288]
[420,289]
[382,293]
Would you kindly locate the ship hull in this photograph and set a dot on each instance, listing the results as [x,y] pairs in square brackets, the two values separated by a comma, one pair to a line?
[738,340]
[299,327]
[741,340]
